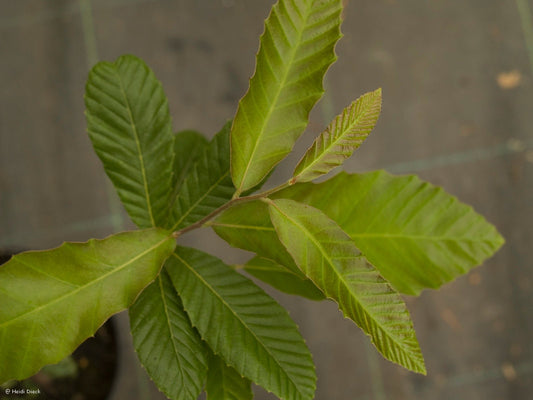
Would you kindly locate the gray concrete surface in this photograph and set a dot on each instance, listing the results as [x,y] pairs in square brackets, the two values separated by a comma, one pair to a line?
[458,93]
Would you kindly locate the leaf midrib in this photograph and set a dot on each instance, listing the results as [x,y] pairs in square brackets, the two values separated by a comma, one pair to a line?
[86,286]
[281,86]
[239,226]
[317,244]
[335,123]
[201,278]
[138,144]
[200,199]
[167,318]
[180,180]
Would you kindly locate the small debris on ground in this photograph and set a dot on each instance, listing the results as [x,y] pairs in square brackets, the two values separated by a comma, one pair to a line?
[508,371]
[474,278]
[83,362]
[449,317]
[509,80]
[516,145]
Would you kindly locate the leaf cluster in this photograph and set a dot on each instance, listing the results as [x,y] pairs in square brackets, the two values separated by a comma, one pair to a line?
[360,240]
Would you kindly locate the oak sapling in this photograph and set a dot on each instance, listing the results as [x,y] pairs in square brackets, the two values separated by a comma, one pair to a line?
[360,240]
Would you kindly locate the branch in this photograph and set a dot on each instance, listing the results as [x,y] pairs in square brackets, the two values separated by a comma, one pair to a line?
[236,200]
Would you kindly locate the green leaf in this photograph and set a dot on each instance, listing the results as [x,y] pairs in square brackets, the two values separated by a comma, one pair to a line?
[282,278]
[247,226]
[242,324]
[167,345]
[224,383]
[130,128]
[416,234]
[330,259]
[208,184]
[296,49]
[74,287]
[188,147]
[341,138]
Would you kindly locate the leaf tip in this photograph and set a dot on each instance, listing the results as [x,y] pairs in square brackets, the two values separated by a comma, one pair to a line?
[500,240]
[420,367]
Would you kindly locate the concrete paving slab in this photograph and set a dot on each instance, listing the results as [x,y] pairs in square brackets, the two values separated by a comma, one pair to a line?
[50,177]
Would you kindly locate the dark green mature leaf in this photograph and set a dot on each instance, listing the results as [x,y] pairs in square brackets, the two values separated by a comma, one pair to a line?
[208,184]
[330,259]
[130,128]
[414,233]
[167,345]
[75,288]
[243,325]
[341,138]
[188,147]
[296,49]
[282,278]
[224,383]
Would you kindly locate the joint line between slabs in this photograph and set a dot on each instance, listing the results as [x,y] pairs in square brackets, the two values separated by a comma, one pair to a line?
[91,54]
[522,369]
[513,146]
[527,27]
[17,21]
[115,218]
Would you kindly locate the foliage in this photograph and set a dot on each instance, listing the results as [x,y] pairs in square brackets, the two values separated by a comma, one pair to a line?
[414,233]
[329,258]
[360,240]
[74,288]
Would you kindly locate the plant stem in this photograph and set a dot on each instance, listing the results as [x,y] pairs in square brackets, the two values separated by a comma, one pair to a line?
[233,201]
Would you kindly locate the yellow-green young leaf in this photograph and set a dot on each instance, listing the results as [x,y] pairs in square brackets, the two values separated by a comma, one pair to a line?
[414,233]
[243,325]
[296,49]
[130,128]
[53,300]
[417,235]
[247,226]
[341,138]
[224,383]
[330,259]
[167,345]
[207,185]
[282,278]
